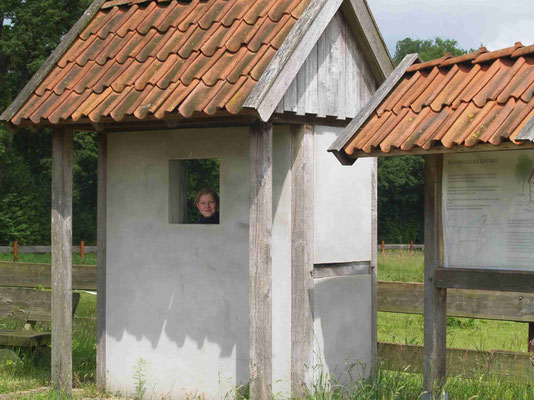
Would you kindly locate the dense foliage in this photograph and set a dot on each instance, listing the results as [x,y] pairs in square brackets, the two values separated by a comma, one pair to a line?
[29,31]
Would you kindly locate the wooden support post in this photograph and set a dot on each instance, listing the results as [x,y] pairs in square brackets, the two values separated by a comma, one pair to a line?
[411,247]
[101,261]
[302,229]
[383,246]
[15,251]
[435,299]
[62,261]
[374,268]
[531,337]
[82,250]
[260,261]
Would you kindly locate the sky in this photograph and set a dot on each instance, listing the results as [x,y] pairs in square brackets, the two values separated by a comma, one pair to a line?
[495,24]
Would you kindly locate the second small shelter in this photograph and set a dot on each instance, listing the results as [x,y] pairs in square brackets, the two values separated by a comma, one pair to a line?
[472,118]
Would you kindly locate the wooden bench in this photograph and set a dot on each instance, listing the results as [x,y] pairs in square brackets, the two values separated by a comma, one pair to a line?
[28,306]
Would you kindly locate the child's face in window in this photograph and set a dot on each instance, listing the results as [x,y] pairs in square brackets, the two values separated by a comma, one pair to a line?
[207,205]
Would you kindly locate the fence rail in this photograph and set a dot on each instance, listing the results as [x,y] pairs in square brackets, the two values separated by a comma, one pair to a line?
[397,297]
[407,298]
[42,249]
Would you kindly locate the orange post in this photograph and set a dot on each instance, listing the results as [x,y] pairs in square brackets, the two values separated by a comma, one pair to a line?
[383,246]
[411,247]
[82,250]
[15,251]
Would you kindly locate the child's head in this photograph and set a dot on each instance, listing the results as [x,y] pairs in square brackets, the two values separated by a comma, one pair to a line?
[207,202]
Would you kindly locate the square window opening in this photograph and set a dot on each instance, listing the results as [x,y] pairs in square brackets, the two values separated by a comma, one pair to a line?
[194,187]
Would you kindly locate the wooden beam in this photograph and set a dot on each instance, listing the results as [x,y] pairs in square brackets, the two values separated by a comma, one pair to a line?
[101,233]
[435,330]
[363,26]
[302,229]
[437,149]
[485,279]
[501,365]
[62,260]
[33,275]
[341,269]
[408,298]
[260,261]
[374,267]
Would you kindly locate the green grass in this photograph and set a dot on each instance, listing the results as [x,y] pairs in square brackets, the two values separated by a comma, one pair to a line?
[34,369]
[466,333]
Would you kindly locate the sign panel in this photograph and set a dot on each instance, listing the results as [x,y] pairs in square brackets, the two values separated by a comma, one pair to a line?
[488,210]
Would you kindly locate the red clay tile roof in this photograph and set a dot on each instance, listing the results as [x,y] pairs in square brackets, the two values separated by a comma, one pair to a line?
[142,58]
[482,97]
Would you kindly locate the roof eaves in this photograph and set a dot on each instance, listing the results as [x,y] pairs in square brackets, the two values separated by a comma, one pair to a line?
[367,32]
[527,133]
[290,57]
[352,129]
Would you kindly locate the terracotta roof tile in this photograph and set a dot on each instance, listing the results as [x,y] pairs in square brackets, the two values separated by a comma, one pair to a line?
[147,57]
[482,97]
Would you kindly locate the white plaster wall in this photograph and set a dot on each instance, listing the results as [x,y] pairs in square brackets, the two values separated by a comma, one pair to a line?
[281,262]
[342,328]
[342,204]
[177,295]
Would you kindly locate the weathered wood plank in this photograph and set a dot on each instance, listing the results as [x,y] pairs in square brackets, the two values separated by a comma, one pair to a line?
[101,285]
[365,112]
[407,298]
[62,154]
[503,365]
[485,279]
[311,94]
[374,266]
[342,73]
[39,275]
[29,304]
[24,338]
[51,61]
[435,326]
[333,33]
[260,261]
[290,57]
[341,269]
[302,230]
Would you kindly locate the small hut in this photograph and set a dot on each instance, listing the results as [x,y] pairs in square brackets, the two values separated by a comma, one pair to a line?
[472,118]
[282,288]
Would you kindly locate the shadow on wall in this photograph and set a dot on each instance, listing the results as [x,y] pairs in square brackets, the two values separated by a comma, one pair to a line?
[342,314]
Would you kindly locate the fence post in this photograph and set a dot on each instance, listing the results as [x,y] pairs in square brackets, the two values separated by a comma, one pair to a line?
[15,251]
[411,247]
[383,246]
[82,250]
[531,337]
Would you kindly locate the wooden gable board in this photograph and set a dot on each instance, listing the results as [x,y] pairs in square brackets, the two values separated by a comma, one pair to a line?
[335,80]
[283,69]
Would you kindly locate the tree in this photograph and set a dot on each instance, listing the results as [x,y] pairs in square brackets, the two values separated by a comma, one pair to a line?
[401,179]
[29,31]
[428,49]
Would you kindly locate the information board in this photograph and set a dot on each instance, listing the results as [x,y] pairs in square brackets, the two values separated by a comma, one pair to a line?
[488,210]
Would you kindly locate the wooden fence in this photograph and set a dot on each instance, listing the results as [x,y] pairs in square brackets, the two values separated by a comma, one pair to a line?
[407,298]
[396,297]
